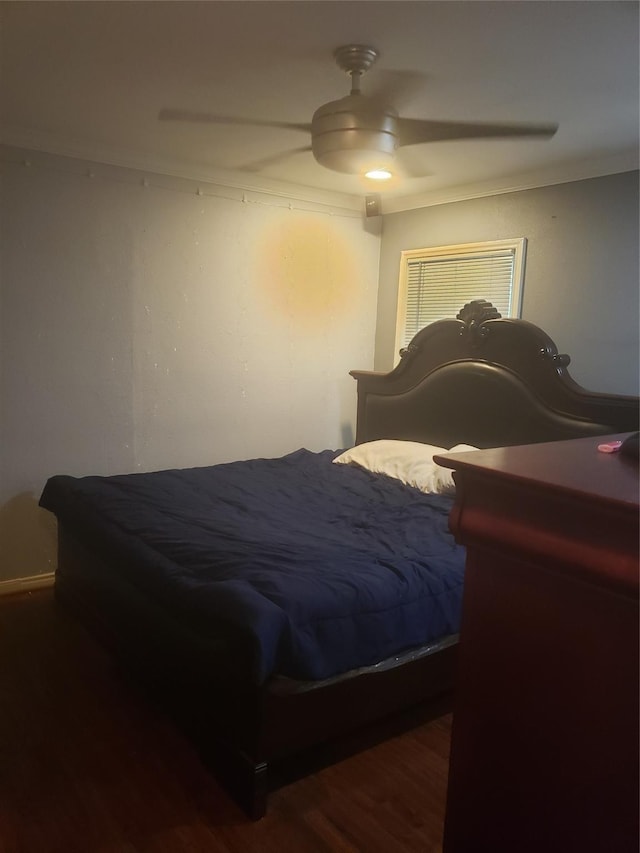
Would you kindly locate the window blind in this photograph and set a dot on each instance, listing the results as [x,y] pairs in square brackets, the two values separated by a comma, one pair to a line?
[437,288]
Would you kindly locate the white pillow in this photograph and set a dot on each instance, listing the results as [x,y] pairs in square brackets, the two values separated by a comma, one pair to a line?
[461,448]
[408,461]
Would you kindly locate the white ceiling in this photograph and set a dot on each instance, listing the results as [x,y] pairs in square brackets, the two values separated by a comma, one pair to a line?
[89,78]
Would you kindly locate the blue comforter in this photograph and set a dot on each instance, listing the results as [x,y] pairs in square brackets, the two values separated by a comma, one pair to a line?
[323,567]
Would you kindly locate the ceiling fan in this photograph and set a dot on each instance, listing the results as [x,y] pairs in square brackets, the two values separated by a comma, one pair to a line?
[363,134]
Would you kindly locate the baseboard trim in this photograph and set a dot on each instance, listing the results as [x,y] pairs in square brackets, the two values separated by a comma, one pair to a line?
[12,587]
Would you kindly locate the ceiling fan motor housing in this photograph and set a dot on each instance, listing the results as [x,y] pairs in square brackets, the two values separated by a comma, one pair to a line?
[349,135]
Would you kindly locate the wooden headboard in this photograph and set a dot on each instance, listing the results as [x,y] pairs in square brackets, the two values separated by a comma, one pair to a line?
[483,380]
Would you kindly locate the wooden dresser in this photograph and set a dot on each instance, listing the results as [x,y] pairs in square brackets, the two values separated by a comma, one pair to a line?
[544,753]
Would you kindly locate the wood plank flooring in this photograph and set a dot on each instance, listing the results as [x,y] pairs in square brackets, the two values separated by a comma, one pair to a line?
[87,765]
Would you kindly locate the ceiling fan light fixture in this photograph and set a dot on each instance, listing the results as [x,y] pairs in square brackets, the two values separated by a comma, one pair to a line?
[380,174]
[347,138]
[356,158]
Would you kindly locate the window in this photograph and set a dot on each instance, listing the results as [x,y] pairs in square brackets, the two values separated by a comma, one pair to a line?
[436,283]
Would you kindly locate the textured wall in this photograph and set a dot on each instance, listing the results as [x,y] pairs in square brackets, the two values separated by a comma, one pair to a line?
[581,275]
[146,327]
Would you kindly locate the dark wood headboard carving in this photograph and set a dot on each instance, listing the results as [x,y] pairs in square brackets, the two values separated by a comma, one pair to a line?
[474,316]
[488,381]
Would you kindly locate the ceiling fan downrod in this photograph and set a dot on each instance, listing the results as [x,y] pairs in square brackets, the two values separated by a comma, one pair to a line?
[355,60]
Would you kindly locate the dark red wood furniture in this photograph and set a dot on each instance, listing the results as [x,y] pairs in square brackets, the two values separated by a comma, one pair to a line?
[545,733]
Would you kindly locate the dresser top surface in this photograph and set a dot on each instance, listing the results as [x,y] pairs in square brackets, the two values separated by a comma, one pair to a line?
[575,466]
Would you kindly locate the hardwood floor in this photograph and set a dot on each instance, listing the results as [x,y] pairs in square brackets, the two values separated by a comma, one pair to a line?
[87,765]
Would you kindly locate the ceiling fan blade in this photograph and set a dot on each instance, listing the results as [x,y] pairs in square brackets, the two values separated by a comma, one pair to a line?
[409,165]
[413,131]
[209,118]
[396,88]
[257,165]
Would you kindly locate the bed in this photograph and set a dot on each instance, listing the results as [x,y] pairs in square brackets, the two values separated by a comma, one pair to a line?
[275,605]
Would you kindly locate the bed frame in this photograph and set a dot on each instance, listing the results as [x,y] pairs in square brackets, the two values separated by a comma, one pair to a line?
[477,379]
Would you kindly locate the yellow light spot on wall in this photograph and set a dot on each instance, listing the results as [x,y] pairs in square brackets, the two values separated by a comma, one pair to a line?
[306,271]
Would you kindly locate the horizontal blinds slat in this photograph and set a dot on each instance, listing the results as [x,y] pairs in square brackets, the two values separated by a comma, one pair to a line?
[437,288]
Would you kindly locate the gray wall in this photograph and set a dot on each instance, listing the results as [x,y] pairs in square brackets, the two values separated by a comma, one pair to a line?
[581,276]
[146,327]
